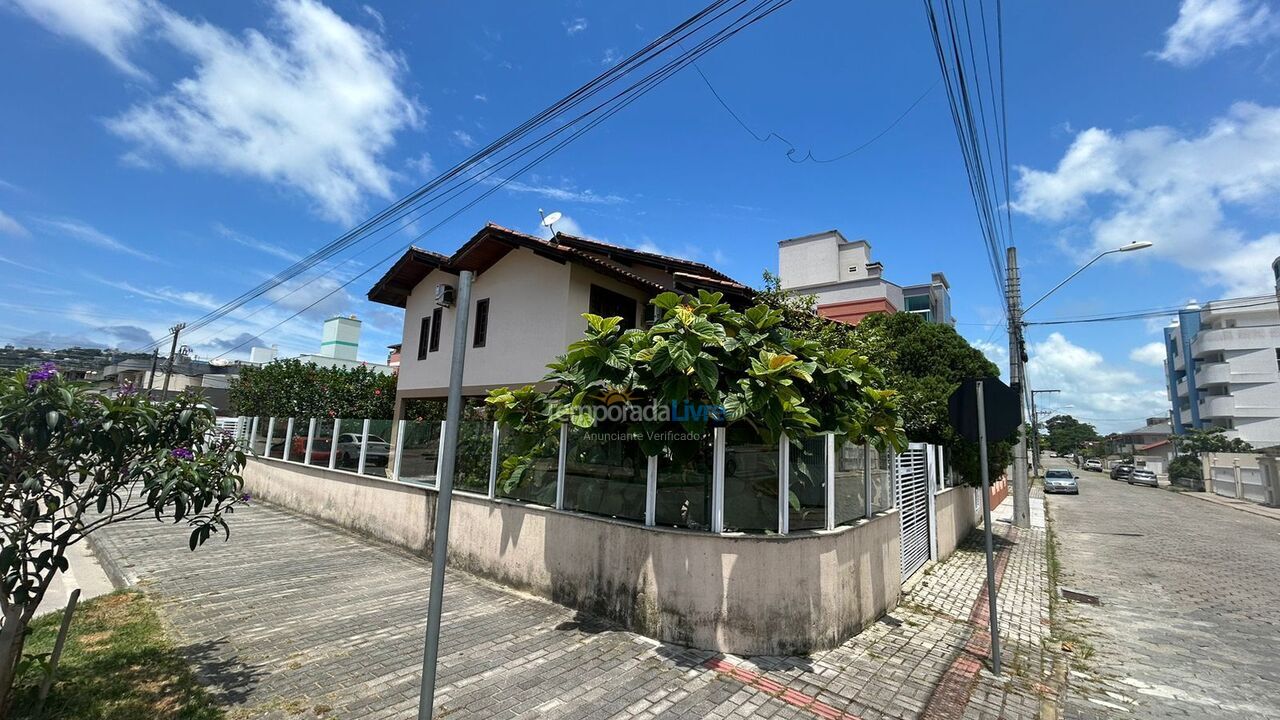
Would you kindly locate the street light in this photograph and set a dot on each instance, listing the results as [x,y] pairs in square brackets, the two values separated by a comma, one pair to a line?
[1139,245]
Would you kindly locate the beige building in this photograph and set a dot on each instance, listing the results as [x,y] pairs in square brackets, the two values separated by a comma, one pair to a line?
[527,301]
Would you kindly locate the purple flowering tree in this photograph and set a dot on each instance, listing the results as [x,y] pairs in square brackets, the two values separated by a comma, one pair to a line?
[73,461]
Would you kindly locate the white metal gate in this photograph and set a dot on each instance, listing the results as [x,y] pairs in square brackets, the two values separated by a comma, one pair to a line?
[911,475]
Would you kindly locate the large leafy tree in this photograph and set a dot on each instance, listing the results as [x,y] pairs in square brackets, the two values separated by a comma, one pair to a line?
[1212,440]
[923,362]
[291,388]
[704,354]
[73,461]
[1068,435]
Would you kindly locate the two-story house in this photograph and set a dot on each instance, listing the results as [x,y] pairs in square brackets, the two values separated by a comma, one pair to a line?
[527,300]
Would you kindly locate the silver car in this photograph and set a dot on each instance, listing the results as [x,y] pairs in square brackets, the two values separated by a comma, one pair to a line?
[1061,481]
[348,450]
[1143,476]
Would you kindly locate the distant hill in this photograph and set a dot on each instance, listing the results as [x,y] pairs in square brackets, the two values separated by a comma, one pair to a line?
[71,360]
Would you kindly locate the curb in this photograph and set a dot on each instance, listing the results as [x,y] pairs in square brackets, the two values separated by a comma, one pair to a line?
[1207,497]
[102,550]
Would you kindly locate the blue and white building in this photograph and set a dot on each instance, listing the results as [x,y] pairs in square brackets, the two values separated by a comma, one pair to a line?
[1222,364]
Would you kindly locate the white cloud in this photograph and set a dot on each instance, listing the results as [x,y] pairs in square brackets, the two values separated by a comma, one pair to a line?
[1152,353]
[464,139]
[423,167]
[83,231]
[480,97]
[1113,399]
[1174,190]
[997,353]
[9,226]
[560,192]
[611,56]
[111,27]
[312,108]
[377,17]
[574,26]
[204,301]
[256,244]
[1206,27]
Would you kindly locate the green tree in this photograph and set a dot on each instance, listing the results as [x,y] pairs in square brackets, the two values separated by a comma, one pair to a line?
[291,388]
[762,374]
[1068,435]
[73,461]
[1212,440]
[923,362]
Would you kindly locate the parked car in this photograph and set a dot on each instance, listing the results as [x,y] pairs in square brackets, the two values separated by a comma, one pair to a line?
[1121,471]
[348,450]
[319,450]
[1093,464]
[1053,454]
[1057,480]
[1143,476]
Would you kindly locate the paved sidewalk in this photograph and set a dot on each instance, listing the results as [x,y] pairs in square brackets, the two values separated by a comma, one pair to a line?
[83,572]
[294,617]
[1252,508]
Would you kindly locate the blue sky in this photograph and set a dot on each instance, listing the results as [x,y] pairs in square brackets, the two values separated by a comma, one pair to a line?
[159,159]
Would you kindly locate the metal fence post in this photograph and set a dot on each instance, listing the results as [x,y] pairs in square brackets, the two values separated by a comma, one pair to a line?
[333,443]
[830,481]
[651,492]
[866,476]
[784,484]
[400,428]
[364,445]
[440,452]
[560,466]
[311,440]
[717,480]
[493,460]
[253,437]
[271,434]
[288,440]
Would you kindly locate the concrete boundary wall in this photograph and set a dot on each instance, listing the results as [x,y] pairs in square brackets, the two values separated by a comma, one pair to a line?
[959,511]
[733,593]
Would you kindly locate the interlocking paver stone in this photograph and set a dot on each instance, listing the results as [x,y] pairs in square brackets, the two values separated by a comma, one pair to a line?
[292,616]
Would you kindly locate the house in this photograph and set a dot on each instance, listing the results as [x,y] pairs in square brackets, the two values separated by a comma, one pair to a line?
[527,301]
[849,285]
[201,376]
[1150,445]
[340,345]
[1222,366]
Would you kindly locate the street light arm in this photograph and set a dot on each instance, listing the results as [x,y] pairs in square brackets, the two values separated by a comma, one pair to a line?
[1068,279]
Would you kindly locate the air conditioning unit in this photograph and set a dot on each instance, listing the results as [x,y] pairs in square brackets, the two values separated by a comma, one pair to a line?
[444,295]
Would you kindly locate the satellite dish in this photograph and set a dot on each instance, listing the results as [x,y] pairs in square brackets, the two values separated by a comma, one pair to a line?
[551,219]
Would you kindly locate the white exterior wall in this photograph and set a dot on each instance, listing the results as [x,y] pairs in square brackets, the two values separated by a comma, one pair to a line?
[807,261]
[1243,389]
[535,308]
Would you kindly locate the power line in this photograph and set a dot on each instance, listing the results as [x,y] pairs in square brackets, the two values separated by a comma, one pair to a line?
[481,168]
[614,105]
[791,148]
[1245,303]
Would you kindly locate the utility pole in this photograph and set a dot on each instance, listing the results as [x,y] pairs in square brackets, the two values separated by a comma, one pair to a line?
[155,358]
[168,368]
[1021,487]
[1035,430]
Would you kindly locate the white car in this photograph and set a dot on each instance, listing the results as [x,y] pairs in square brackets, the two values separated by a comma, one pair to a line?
[1058,480]
[1093,464]
[348,450]
[1143,476]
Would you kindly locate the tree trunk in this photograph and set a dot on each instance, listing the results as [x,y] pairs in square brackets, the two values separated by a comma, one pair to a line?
[12,636]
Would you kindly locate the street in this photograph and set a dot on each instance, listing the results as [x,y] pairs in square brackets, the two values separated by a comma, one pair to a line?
[1188,623]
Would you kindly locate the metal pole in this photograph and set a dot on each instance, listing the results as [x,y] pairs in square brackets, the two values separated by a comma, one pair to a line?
[168,368]
[986,521]
[1021,488]
[444,499]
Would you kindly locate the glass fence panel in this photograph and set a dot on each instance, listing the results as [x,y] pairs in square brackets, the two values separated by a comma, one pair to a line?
[850,480]
[258,436]
[296,441]
[421,451]
[750,481]
[321,444]
[808,500]
[377,454]
[275,431]
[527,465]
[605,475]
[684,485]
[475,447]
[881,480]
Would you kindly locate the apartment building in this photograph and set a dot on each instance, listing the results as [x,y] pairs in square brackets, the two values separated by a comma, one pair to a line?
[1222,365]
[849,284]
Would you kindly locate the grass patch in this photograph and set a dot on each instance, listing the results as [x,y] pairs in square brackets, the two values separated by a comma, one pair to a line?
[117,664]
